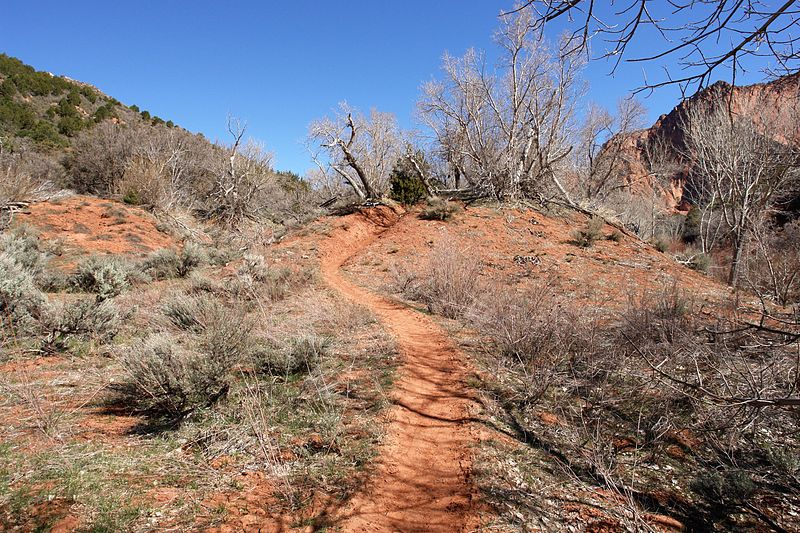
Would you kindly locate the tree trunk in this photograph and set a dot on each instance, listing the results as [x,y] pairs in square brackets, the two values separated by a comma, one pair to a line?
[738,247]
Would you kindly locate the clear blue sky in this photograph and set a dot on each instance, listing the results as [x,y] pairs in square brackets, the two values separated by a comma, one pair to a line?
[277,65]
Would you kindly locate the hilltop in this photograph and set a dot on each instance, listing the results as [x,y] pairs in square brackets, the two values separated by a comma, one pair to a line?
[48,111]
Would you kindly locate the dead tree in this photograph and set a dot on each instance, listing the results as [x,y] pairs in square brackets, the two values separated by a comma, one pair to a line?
[359,150]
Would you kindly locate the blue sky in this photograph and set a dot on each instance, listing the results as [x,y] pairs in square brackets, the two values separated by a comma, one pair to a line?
[277,65]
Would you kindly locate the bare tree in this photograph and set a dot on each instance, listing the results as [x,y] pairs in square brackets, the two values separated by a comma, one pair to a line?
[601,153]
[99,158]
[237,190]
[167,168]
[739,167]
[506,130]
[710,35]
[360,150]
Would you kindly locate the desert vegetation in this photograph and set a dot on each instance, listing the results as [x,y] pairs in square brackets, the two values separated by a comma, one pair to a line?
[671,411]
[526,302]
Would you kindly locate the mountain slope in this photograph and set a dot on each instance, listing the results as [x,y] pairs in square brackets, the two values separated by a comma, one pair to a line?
[48,110]
[759,102]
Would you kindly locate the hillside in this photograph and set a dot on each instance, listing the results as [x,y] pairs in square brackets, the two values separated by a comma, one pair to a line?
[192,340]
[49,111]
[351,385]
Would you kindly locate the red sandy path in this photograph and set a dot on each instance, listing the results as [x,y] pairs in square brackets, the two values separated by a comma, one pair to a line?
[423,478]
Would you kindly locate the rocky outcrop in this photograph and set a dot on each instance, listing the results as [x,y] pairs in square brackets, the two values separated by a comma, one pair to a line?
[760,102]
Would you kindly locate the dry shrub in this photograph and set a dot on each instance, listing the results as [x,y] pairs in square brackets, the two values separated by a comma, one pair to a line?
[301,355]
[254,266]
[144,182]
[62,320]
[773,266]
[450,284]
[25,177]
[534,339]
[105,276]
[438,209]
[167,263]
[662,315]
[19,296]
[190,313]
[166,379]
[589,234]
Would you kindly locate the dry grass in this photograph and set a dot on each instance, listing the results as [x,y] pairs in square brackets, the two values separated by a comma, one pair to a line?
[640,405]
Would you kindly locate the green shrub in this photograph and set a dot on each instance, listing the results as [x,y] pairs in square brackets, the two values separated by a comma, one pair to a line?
[661,244]
[70,126]
[589,234]
[615,236]
[405,186]
[89,94]
[729,486]
[691,225]
[74,97]
[106,277]
[65,108]
[44,134]
[438,209]
[104,112]
[132,197]
[17,115]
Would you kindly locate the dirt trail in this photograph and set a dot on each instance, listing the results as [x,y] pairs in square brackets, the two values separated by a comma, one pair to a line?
[423,477]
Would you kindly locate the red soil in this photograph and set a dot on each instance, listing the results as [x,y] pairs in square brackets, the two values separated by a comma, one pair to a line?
[518,248]
[89,225]
[423,477]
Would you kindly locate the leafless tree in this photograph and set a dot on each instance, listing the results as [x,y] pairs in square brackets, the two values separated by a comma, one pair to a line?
[240,181]
[99,158]
[710,35]
[25,176]
[360,150]
[601,153]
[774,263]
[168,167]
[506,130]
[741,167]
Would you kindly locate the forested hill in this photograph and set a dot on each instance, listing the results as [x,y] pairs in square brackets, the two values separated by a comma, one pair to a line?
[46,111]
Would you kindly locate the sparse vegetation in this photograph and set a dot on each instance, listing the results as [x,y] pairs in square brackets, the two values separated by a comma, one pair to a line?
[590,233]
[438,209]
[181,349]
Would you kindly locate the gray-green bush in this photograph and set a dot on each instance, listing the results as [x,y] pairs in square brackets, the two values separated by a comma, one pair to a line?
[167,379]
[104,276]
